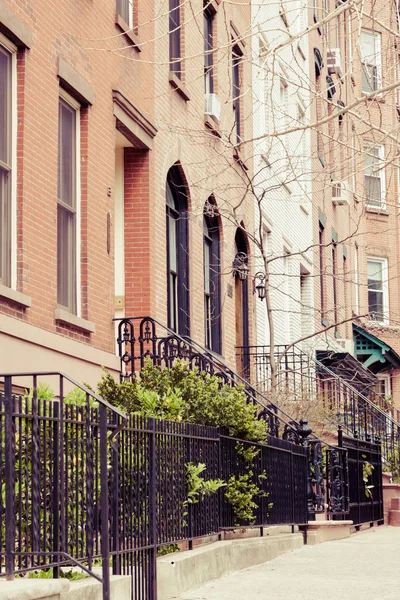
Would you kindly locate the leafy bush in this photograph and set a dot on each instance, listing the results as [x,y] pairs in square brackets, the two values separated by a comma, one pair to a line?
[198,488]
[181,394]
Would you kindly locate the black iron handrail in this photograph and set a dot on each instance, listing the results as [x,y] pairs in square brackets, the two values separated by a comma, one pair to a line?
[126,338]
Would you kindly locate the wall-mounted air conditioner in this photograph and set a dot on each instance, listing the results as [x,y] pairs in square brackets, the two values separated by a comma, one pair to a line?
[212,106]
[334,61]
[341,193]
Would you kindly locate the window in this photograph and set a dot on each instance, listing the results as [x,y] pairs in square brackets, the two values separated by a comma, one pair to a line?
[208,51]
[177,254]
[334,280]
[212,285]
[322,269]
[125,10]
[68,203]
[175,37]
[377,288]
[236,92]
[7,173]
[374,177]
[370,44]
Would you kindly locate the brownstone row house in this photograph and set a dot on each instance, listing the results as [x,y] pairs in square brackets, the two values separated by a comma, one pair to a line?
[355,192]
[112,171]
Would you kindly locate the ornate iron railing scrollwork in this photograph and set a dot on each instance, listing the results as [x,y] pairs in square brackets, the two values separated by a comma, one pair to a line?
[316,480]
[337,476]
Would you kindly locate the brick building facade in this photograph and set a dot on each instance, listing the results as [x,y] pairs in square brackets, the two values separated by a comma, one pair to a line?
[105,126]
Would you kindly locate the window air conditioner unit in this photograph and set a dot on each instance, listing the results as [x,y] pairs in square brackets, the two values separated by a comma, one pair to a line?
[334,61]
[212,106]
[341,193]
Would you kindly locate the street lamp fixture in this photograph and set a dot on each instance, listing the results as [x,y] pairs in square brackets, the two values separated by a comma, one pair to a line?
[260,286]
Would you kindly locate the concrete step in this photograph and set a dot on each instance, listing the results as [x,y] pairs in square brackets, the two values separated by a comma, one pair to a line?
[62,589]
[185,571]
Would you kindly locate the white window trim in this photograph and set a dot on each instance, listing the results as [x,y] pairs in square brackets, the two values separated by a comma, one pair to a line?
[75,105]
[381,150]
[130,7]
[377,36]
[388,384]
[14,117]
[385,285]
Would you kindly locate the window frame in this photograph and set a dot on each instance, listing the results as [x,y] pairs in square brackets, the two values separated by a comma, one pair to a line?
[381,174]
[212,297]
[179,319]
[174,37]
[74,285]
[378,58]
[125,8]
[236,57]
[322,263]
[208,18]
[385,289]
[9,279]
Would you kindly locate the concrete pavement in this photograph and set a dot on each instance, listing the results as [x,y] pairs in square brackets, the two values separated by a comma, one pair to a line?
[365,566]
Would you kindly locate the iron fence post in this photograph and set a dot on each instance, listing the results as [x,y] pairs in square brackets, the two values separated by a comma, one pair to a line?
[56,489]
[115,506]
[105,549]
[153,509]
[10,477]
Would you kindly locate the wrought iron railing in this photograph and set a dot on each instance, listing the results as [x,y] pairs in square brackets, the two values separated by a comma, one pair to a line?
[141,338]
[82,483]
[54,477]
[362,414]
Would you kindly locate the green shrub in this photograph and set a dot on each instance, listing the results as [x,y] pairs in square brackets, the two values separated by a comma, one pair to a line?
[181,394]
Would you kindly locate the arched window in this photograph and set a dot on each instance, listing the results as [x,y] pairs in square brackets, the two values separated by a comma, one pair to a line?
[177,253]
[212,281]
[242,306]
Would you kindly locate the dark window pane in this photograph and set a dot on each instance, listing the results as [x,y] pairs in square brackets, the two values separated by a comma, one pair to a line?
[208,57]
[375,304]
[123,10]
[177,254]
[173,259]
[66,156]
[5,227]
[5,105]
[66,215]
[175,36]
[66,259]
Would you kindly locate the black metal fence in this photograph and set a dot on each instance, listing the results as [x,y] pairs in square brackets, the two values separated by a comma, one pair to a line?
[365,482]
[358,409]
[83,485]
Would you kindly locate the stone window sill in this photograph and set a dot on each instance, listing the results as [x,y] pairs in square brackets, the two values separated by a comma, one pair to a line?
[238,157]
[63,316]
[15,296]
[178,85]
[212,125]
[377,211]
[130,34]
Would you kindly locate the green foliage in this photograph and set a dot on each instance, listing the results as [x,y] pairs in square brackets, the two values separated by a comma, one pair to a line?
[169,549]
[181,394]
[248,453]
[240,493]
[198,488]
[43,392]
[367,469]
[392,464]
[71,575]
[77,397]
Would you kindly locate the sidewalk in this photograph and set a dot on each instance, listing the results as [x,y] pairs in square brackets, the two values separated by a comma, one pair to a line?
[365,566]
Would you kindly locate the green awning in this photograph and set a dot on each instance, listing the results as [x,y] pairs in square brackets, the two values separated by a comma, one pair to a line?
[373,352]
